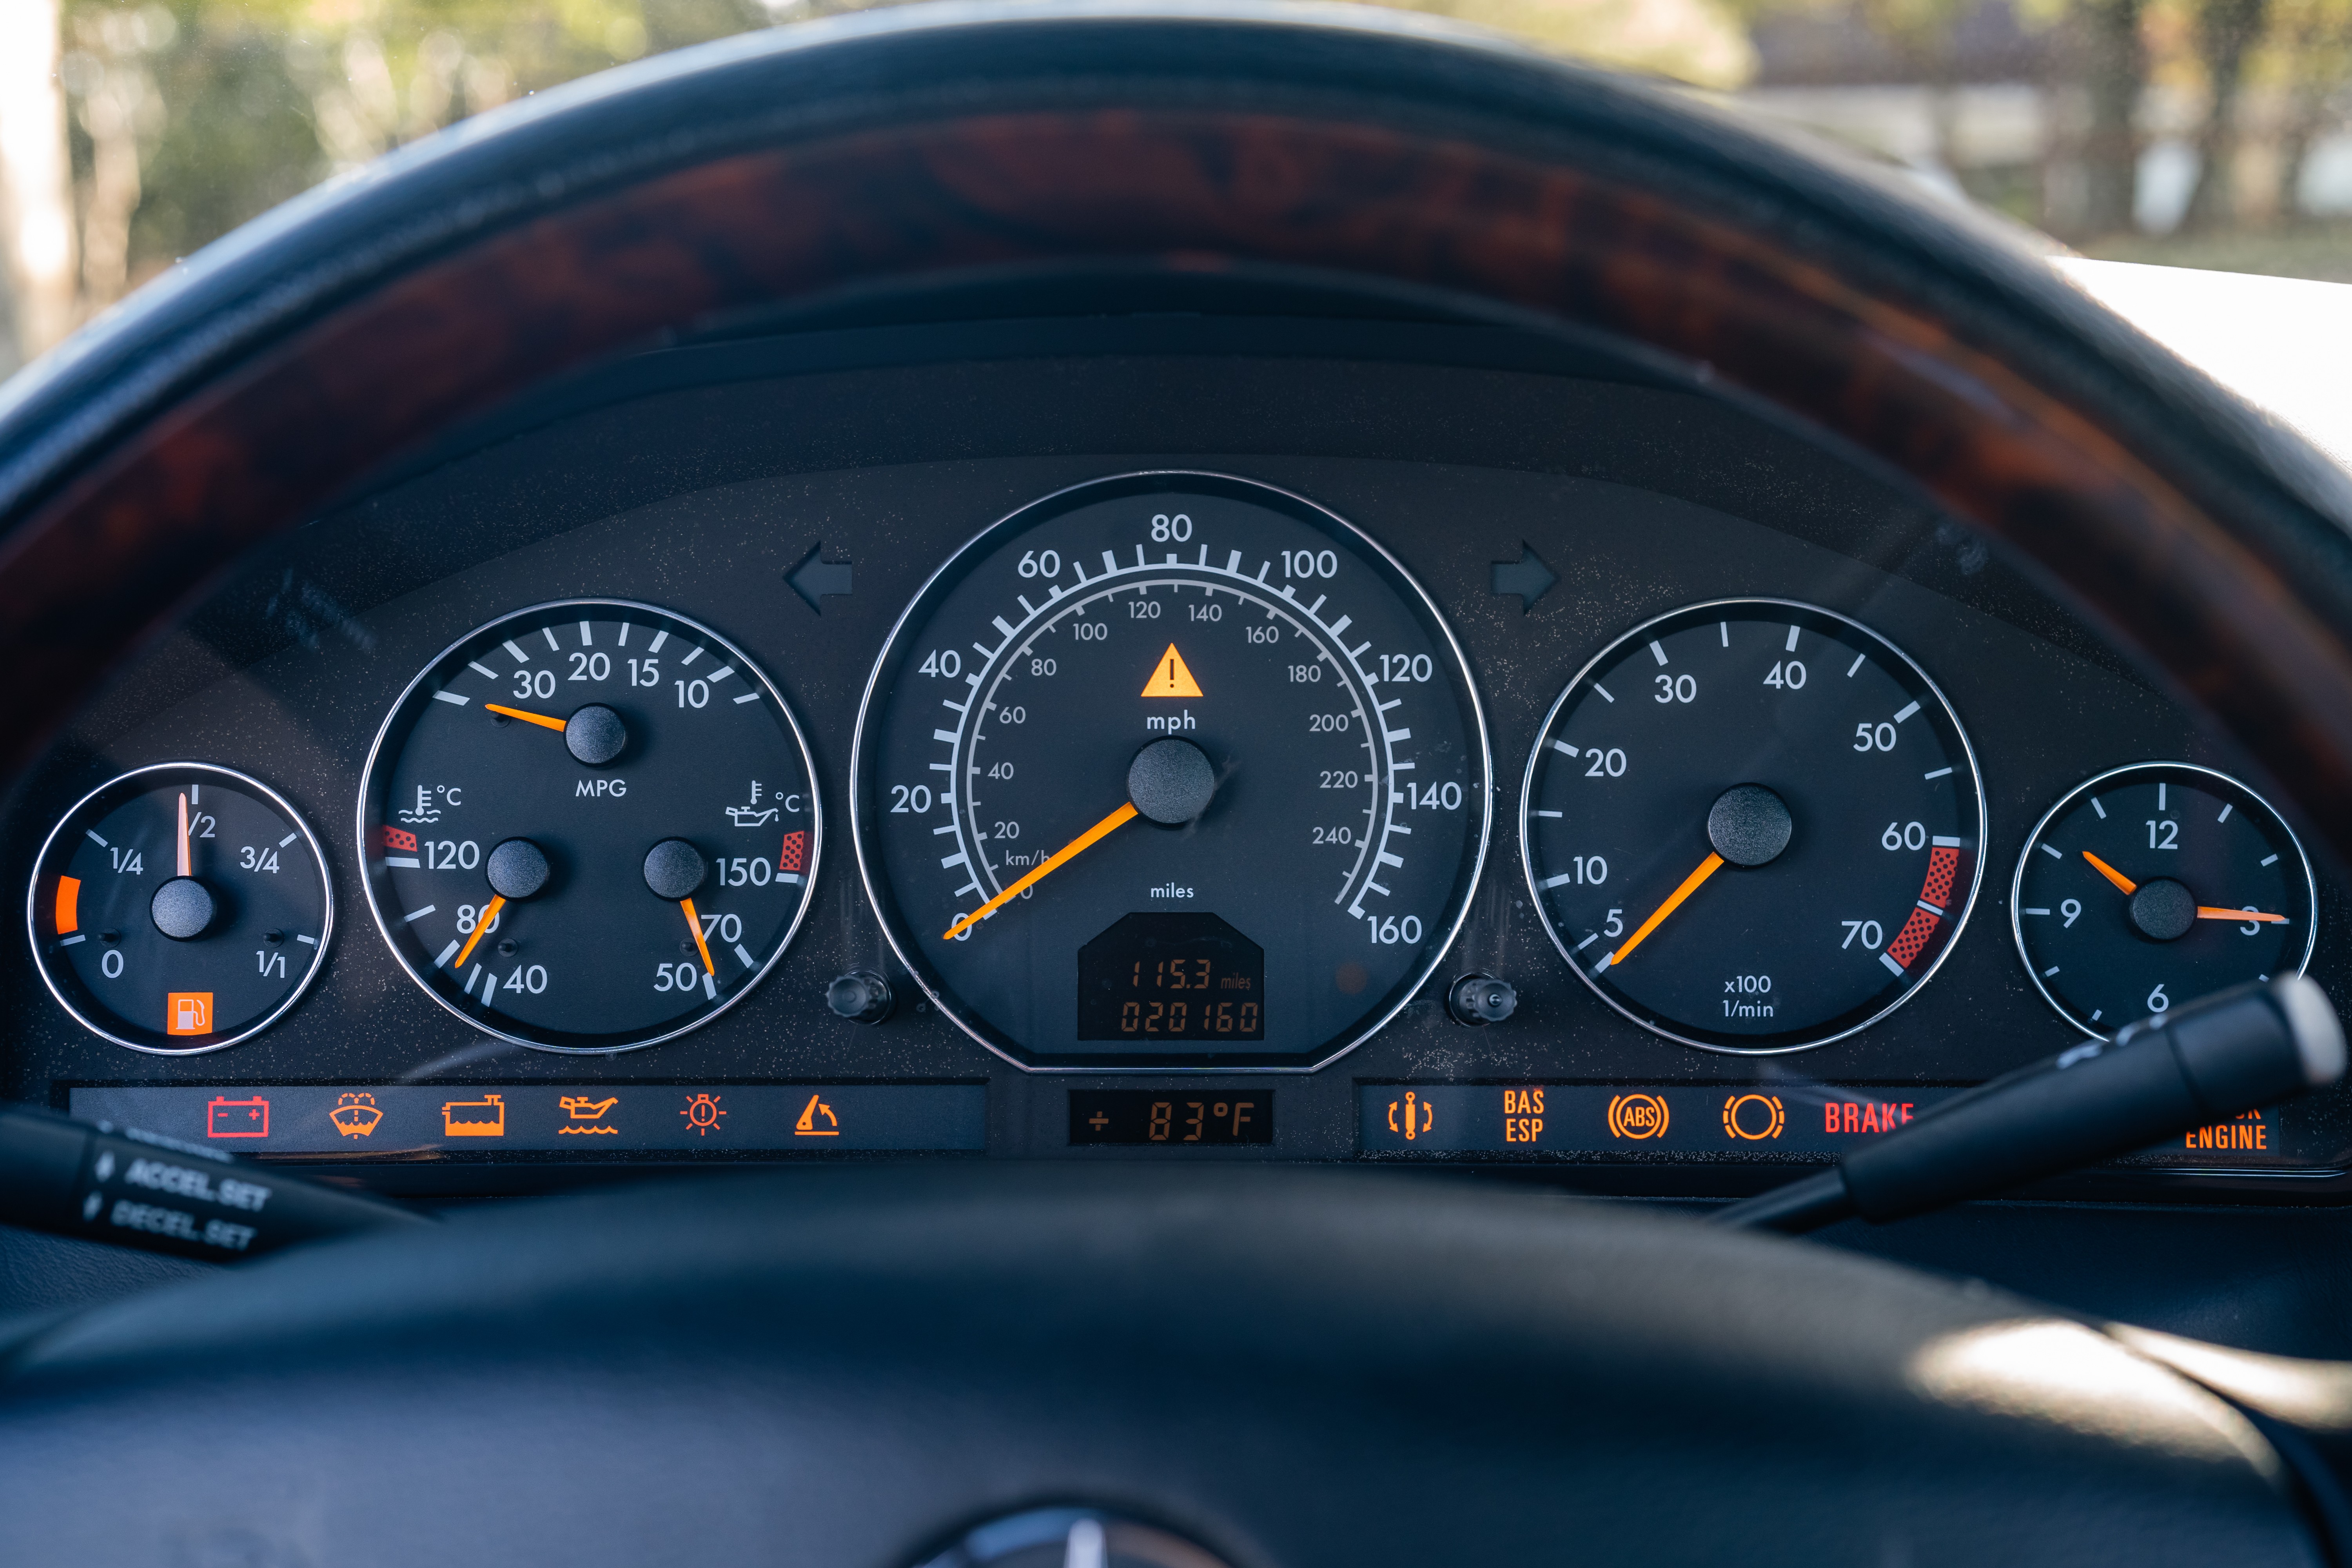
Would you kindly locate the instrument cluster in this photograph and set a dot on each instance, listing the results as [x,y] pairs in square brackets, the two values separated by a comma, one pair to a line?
[1179,801]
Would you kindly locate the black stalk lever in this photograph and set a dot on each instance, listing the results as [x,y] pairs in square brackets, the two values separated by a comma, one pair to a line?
[127,1188]
[2202,1062]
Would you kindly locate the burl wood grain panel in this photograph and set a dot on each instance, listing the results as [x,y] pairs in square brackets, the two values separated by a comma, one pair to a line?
[121,549]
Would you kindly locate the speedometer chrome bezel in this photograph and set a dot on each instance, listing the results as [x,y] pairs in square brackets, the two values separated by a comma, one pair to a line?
[744,662]
[1610,650]
[968,555]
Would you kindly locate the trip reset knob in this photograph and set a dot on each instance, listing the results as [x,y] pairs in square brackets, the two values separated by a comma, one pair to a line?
[1478,1000]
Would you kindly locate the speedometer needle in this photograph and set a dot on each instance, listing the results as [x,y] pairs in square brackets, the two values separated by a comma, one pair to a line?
[1068,852]
[1707,867]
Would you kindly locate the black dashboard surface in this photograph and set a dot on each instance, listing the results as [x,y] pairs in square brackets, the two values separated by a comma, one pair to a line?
[703,477]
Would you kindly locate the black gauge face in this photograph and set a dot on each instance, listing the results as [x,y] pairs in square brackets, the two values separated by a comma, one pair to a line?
[589,827]
[1171,771]
[1753,826]
[2154,885]
[180,909]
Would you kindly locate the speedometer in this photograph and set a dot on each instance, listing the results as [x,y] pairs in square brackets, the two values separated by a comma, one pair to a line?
[1171,770]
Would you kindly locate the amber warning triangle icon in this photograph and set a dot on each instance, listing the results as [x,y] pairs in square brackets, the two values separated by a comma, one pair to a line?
[1169,678]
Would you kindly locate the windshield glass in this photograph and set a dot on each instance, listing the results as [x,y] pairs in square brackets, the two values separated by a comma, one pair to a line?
[2200,133]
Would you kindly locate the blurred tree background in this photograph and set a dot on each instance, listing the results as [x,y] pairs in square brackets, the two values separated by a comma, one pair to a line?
[2211,133]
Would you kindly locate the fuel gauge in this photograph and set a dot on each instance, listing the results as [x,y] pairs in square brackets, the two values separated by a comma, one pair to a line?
[180,909]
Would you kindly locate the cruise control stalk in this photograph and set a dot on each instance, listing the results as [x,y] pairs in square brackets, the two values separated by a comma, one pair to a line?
[2202,1062]
[127,1188]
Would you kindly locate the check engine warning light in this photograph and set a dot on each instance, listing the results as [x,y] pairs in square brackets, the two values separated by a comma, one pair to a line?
[237,1118]
[1638,1117]
[1754,1118]
[188,1013]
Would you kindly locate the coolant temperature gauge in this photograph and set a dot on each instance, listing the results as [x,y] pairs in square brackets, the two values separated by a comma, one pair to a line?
[180,909]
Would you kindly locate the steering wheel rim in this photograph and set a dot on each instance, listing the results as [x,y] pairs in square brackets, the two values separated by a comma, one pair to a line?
[284,366]
[845,1366]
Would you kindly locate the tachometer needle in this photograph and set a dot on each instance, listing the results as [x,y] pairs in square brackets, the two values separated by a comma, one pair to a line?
[1707,867]
[185,857]
[1066,852]
[542,720]
[2209,912]
[489,912]
[2123,884]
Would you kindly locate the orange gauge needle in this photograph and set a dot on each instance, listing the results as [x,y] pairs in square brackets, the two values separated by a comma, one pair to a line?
[489,912]
[694,924]
[184,855]
[1066,852]
[542,720]
[2207,912]
[1707,867]
[2123,884]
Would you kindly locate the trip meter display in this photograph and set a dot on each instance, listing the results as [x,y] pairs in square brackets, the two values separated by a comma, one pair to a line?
[1171,770]
[1753,826]
[589,826]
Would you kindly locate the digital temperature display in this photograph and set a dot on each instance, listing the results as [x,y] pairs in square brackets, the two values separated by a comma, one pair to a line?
[1171,1117]
[1172,977]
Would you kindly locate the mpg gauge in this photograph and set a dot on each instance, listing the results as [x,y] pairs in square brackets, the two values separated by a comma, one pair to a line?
[180,909]
[2155,884]
[1171,771]
[1753,826]
[589,827]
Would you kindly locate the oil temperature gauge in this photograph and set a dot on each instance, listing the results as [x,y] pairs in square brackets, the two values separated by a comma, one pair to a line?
[180,909]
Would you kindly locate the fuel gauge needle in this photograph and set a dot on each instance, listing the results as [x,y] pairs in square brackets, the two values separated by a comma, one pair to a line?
[1054,862]
[187,858]
[1707,867]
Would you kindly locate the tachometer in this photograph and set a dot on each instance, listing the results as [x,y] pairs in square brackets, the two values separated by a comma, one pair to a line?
[589,826]
[1753,826]
[1171,770]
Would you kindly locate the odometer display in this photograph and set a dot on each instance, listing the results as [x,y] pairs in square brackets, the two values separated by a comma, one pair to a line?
[1753,826]
[589,826]
[1171,770]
